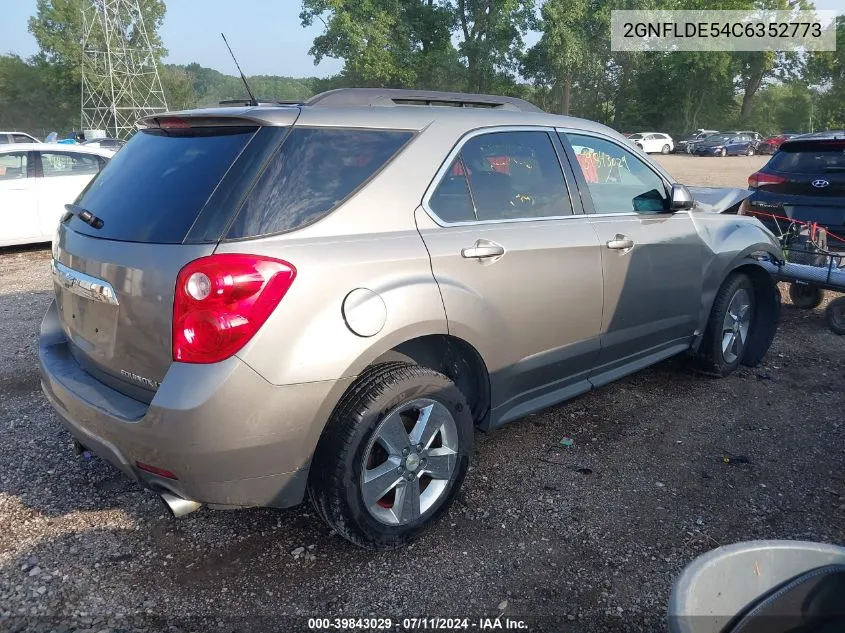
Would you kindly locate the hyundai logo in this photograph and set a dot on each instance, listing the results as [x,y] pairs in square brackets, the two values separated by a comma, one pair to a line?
[820,183]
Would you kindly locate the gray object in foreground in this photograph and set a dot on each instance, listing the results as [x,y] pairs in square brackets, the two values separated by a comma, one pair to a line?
[723,582]
[257,303]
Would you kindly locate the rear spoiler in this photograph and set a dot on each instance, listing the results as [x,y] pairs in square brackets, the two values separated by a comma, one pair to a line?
[219,117]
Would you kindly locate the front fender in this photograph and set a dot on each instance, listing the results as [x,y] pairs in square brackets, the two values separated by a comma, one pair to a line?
[730,243]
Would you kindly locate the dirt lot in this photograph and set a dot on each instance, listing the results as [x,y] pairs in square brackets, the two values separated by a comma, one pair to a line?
[587,538]
[731,171]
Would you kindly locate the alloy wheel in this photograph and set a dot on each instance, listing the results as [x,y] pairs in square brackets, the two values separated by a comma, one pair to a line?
[409,462]
[735,325]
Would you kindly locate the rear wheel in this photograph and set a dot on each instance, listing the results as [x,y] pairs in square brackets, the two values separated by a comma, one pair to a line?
[805,297]
[393,455]
[729,327]
[665,149]
[835,315]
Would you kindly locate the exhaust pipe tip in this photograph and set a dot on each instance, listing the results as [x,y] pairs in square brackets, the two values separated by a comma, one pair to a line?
[177,506]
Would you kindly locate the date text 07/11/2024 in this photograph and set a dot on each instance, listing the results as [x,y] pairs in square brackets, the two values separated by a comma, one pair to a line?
[499,623]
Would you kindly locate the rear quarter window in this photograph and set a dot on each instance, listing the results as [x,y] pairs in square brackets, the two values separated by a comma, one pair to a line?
[313,173]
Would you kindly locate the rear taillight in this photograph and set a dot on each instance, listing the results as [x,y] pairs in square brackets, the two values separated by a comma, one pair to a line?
[222,300]
[761,178]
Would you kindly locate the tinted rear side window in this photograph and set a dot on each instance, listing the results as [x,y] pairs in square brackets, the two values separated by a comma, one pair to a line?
[155,187]
[314,172]
[823,159]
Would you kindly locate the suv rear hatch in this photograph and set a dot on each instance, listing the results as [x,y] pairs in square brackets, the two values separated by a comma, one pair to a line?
[164,200]
[805,180]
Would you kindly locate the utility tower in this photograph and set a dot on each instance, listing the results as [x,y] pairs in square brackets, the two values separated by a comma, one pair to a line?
[120,81]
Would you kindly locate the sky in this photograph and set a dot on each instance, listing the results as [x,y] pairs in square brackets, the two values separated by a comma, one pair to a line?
[265,35]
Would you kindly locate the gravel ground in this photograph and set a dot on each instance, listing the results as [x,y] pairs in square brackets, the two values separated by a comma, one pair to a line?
[712,171]
[585,538]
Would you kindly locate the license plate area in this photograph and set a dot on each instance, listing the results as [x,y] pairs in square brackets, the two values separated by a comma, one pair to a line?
[90,325]
[88,308]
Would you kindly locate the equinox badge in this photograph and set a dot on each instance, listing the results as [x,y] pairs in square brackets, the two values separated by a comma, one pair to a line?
[152,384]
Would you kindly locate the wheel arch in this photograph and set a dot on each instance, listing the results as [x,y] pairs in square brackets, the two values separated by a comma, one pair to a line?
[767,300]
[455,358]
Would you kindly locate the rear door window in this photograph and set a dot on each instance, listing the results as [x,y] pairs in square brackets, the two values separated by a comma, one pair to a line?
[515,175]
[154,188]
[313,173]
[68,164]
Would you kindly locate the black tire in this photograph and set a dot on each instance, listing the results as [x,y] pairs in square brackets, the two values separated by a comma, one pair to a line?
[665,149]
[834,314]
[749,151]
[723,153]
[709,357]
[335,475]
[805,297]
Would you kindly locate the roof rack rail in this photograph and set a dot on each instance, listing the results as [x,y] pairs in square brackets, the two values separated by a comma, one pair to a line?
[261,102]
[395,96]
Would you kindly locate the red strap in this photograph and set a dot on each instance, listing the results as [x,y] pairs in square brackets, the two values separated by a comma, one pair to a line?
[813,225]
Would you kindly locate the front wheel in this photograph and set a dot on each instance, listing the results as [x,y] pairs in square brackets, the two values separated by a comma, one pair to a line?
[723,153]
[728,329]
[749,151]
[665,149]
[393,455]
[805,297]
[834,314]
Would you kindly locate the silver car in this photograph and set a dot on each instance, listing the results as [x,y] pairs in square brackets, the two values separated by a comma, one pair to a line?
[258,304]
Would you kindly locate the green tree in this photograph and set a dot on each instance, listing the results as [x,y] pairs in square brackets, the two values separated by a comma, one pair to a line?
[492,34]
[827,71]
[178,88]
[373,37]
[558,58]
[57,27]
[36,96]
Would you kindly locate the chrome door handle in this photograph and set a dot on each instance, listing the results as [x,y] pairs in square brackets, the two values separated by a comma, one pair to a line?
[483,249]
[620,243]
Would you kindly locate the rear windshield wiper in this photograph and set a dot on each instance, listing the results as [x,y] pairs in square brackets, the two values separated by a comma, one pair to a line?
[85,215]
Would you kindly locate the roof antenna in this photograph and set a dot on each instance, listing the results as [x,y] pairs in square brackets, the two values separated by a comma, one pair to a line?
[252,100]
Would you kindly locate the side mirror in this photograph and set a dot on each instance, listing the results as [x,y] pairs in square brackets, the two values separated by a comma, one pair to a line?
[681,198]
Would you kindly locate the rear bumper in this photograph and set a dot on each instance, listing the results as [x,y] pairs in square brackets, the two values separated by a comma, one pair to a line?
[230,437]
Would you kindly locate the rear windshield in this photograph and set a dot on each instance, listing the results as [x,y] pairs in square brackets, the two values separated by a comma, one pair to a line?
[810,160]
[155,187]
[315,170]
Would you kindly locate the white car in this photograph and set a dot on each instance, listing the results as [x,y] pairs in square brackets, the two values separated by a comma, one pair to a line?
[36,181]
[16,137]
[653,142]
